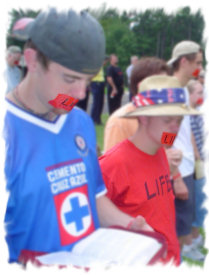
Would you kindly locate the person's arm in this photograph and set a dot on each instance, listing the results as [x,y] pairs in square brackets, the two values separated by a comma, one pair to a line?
[113,133]
[180,189]
[174,157]
[112,84]
[110,215]
[196,151]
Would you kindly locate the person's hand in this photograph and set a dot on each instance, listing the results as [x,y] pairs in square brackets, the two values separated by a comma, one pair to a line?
[113,93]
[174,157]
[180,189]
[139,223]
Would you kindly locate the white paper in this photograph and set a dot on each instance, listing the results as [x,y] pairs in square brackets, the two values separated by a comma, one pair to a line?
[108,247]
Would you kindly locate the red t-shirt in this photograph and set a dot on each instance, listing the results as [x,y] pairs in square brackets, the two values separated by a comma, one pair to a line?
[139,184]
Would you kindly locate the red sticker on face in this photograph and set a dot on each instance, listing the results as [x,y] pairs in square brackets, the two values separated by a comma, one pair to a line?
[199,101]
[63,101]
[168,138]
[196,73]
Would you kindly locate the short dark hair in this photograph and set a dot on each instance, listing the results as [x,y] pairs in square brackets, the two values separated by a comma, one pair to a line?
[145,67]
[44,61]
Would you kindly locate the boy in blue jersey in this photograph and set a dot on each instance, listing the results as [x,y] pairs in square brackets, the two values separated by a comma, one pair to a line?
[56,191]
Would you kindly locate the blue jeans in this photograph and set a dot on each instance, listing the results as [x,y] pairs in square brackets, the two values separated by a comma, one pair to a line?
[185,209]
[200,196]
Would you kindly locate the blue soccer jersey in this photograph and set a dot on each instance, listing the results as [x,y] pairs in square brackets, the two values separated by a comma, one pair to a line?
[53,178]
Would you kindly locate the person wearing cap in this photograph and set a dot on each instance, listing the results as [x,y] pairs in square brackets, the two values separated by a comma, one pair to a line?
[56,190]
[136,171]
[13,74]
[186,62]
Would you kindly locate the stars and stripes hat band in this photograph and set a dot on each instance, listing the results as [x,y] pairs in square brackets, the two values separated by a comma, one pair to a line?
[161,95]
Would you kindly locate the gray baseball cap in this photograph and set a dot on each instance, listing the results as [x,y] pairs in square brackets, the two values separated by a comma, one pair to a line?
[71,39]
[183,48]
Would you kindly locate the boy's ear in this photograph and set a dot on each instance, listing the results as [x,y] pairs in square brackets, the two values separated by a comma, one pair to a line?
[30,56]
[183,61]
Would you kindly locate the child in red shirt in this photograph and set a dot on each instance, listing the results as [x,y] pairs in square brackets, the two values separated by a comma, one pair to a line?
[136,171]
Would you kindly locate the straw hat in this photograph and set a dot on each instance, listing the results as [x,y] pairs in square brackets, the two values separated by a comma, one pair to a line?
[161,95]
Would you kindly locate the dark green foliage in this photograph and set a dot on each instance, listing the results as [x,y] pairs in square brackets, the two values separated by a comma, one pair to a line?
[151,33]
[146,33]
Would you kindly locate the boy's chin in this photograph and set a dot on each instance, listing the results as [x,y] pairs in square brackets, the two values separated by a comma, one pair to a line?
[59,111]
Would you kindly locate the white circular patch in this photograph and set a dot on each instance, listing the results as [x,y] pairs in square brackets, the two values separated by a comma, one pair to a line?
[160,101]
[75,214]
[80,142]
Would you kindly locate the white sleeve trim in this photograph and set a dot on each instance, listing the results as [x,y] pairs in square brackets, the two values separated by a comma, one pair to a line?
[102,193]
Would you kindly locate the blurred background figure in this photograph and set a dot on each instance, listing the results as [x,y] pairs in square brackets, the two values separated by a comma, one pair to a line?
[22,66]
[201,77]
[13,73]
[117,127]
[186,63]
[195,89]
[133,61]
[97,89]
[115,84]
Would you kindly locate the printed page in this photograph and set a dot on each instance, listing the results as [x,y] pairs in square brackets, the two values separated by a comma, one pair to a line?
[107,246]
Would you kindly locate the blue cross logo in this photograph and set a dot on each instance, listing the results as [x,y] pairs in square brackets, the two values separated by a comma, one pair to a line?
[76,214]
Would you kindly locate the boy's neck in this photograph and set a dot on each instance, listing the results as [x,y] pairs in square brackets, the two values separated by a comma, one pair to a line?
[24,96]
[182,78]
[143,143]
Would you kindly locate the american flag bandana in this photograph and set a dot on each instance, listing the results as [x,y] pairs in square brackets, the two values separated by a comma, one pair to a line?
[163,96]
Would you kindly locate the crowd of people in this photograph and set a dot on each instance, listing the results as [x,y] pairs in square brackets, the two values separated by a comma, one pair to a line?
[150,175]
[186,151]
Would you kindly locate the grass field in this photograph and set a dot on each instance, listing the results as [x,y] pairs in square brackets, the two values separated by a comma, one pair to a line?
[100,140]
[100,131]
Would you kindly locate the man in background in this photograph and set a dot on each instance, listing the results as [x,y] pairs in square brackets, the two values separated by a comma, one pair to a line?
[13,73]
[115,84]
[133,61]
[97,90]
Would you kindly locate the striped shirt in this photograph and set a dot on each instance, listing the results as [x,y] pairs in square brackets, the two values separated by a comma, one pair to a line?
[197,125]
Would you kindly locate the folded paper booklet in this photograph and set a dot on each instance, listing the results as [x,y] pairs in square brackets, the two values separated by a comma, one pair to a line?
[108,246]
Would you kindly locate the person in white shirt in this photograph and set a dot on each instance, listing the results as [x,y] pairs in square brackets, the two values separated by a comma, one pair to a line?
[186,61]
[13,74]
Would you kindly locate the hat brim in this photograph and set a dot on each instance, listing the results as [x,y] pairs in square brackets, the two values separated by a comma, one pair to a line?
[163,110]
[171,61]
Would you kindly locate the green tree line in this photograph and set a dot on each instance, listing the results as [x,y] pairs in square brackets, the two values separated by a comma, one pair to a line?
[152,32]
